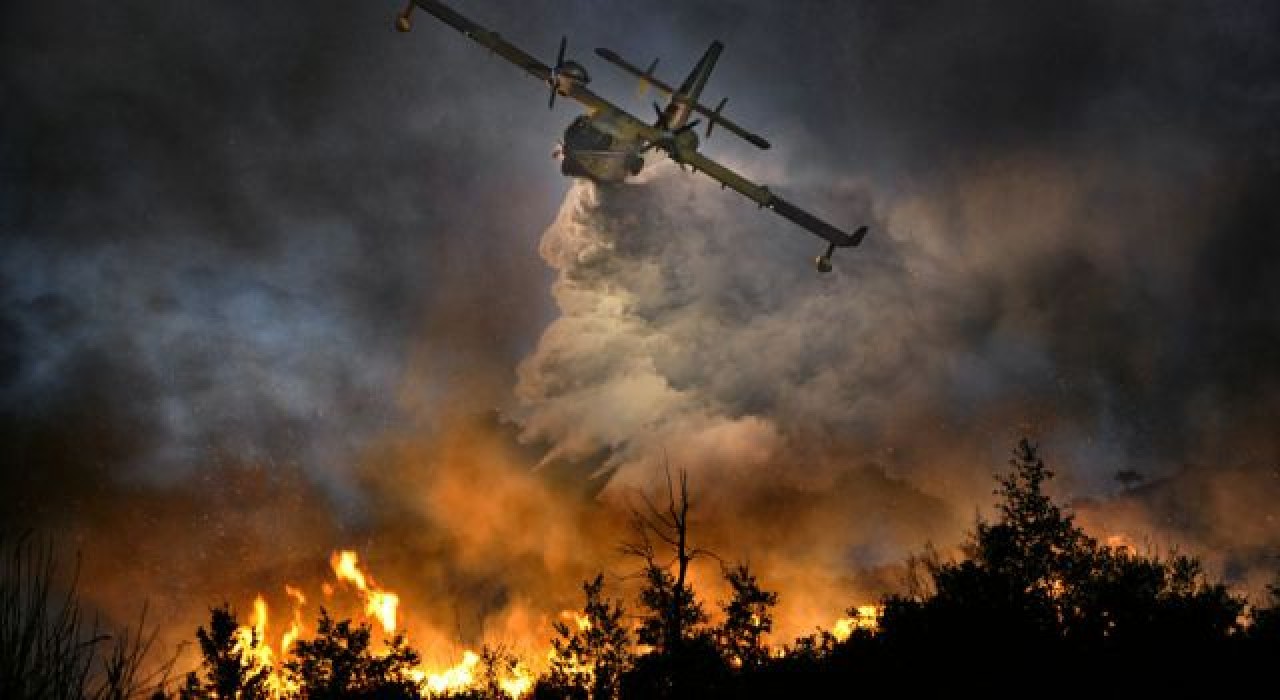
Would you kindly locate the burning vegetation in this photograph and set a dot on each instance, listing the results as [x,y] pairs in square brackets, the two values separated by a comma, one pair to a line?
[1033,594]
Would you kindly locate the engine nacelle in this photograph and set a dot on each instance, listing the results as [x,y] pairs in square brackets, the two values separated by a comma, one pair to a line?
[568,74]
[686,140]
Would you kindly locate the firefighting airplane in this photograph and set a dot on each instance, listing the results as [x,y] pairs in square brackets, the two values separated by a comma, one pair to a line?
[607,143]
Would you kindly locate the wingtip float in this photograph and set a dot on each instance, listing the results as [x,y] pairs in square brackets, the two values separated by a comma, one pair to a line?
[608,144]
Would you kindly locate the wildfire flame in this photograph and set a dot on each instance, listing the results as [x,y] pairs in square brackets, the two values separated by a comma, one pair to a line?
[518,684]
[295,627]
[251,641]
[581,621]
[251,638]
[380,605]
[453,679]
[867,618]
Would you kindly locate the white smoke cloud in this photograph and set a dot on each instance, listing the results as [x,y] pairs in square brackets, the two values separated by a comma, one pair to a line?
[691,324]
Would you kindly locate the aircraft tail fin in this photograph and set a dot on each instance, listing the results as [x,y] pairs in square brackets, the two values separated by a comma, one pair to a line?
[692,86]
[685,100]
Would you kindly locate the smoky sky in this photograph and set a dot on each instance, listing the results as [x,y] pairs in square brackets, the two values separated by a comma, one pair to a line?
[256,233]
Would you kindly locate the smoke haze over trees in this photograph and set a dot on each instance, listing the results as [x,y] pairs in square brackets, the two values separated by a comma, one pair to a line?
[1035,605]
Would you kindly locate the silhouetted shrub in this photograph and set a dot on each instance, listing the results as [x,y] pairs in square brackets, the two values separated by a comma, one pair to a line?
[589,657]
[339,663]
[748,618]
[47,648]
[229,665]
[1037,594]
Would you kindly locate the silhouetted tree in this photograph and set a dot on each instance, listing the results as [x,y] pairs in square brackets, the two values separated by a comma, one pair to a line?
[1033,544]
[589,658]
[230,669]
[497,664]
[683,661]
[1265,630]
[1037,593]
[339,663]
[674,611]
[674,614]
[748,616]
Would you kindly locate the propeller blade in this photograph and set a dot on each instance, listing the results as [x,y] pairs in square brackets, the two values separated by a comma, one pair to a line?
[715,116]
[554,81]
[662,121]
[643,88]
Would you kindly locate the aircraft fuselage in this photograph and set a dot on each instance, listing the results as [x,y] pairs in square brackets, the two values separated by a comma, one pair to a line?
[597,153]
[599,148]
[606,149]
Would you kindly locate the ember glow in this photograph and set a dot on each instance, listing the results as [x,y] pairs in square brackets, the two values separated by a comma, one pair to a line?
[1122,542]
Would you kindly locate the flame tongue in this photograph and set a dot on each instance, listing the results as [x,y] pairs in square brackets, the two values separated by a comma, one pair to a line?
[378,603]
[295,627]
[252,637]
[346,566]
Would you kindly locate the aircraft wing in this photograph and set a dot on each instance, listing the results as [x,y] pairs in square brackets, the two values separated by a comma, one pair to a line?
[647,76]
[763,197]
[488,39]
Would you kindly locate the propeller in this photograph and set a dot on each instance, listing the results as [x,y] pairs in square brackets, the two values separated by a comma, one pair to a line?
[554,80]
